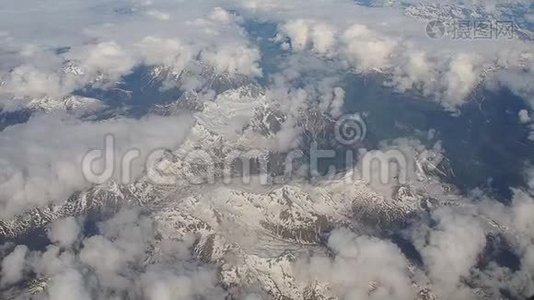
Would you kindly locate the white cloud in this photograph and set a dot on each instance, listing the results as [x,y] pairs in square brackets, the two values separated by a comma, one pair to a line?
[38,170]
[362,268]
[27,80]
[106,41]
[369,39]
[523,116]
[113,263]
[158,15]
[64,232]
[41,159]
[366,49]
[222,16]
[52,261]
[167,284]
[69,284]
[382,38]
[107,58]
[461,78]
[234,59]
[13,266]
[304,34]
[168,52]
[415,73]
[452,249]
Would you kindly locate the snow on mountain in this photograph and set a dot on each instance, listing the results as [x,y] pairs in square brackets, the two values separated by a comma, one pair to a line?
[76,104]
[70,103]
[198,73]
[252,232]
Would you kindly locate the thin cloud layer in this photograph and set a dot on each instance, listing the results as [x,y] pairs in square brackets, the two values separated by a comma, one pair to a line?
[38,169]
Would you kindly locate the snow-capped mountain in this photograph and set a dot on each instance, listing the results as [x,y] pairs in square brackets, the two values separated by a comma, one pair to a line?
[78,104]
[265,227]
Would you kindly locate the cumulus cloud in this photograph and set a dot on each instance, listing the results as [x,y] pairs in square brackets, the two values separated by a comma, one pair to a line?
[365,49]
[523,116]
[64,232]
[368,39]
[107,58]
[461,78]
[451,250]
[384,40]
[168,52]
[161,283]
[234,59]
[13,266]
[113,263]
[99,55]
[305,34]
[362,268]
[27,80]
[69,284]
[158,15]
